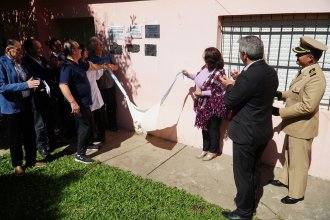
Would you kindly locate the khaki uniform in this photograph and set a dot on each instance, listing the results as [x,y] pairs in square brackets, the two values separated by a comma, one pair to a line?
[300,124]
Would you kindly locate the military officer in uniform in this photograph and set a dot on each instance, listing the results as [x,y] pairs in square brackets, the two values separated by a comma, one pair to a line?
[300,118]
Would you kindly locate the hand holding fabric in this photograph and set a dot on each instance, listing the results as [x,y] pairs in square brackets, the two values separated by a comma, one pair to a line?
[185,72]
[198,93]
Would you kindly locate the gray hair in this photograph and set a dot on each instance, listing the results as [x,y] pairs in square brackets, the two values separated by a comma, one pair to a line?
[68,47]
[252,46]
[11,42]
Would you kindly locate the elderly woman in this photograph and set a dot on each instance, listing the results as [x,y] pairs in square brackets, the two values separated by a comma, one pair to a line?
[209,105]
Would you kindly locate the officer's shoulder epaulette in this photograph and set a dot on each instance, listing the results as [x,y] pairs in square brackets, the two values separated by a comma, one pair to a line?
[312,72]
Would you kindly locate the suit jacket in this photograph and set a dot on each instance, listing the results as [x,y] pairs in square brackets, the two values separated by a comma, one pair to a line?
[251,100]
[301,113]
[42,72]
[11,99]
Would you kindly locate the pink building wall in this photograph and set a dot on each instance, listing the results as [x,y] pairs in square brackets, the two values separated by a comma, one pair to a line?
[186,29]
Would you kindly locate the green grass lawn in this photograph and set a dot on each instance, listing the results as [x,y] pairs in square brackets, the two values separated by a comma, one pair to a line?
[65,189]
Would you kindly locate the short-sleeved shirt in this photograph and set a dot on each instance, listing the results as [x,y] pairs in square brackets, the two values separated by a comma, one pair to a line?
[74,75]
[106,81]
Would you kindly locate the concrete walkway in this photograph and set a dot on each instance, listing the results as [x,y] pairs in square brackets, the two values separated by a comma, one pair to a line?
[175,165]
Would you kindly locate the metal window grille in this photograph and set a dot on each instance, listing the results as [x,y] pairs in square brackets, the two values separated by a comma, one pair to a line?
[279,34]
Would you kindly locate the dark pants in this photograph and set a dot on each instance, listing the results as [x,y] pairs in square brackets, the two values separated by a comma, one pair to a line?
[246,160]
[43,124]
[211,136]
[83,129]
[21,125]
[69,124]
[99,124]
[109,98]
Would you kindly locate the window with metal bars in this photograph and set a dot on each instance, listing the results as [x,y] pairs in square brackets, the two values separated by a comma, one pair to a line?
[279,33]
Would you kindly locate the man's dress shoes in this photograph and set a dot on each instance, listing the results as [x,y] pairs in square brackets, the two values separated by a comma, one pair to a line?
[277,183]
[290,200]
[234,216]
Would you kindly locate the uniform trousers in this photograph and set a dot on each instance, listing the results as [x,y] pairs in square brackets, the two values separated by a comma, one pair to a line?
[297,162]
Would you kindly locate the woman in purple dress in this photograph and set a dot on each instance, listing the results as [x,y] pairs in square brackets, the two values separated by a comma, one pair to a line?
[209,105]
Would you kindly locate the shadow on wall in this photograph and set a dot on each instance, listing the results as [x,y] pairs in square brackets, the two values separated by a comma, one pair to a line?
[18,21]
[271,154]
[161,143]
[171,131]
[125,74]
[270,157]
[23,19]
[41,23]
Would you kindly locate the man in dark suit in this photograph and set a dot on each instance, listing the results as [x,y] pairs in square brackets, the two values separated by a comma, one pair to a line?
[250,98]
[36,66]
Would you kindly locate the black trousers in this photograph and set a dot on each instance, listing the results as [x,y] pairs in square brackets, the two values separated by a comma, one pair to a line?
[83,129]
[109,98]
[43,123]
[20,126]
[99,124]
[246,161]
[212,135]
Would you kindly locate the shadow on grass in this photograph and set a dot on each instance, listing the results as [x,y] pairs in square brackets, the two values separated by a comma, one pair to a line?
[35,195]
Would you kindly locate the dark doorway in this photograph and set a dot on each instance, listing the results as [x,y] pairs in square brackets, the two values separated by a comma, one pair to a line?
[78,29]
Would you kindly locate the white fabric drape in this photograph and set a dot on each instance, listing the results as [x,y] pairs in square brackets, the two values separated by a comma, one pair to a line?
[145,119]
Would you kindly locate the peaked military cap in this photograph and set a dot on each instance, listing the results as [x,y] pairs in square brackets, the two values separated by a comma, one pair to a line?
[308,45]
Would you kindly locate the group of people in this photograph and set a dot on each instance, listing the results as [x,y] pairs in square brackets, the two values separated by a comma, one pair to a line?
[39,97]
[247,101]
[34,91]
